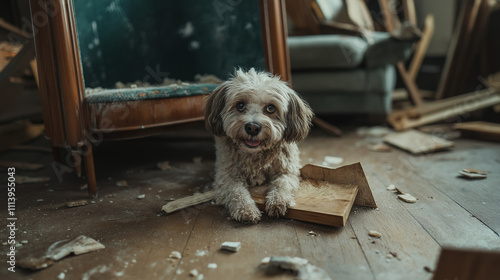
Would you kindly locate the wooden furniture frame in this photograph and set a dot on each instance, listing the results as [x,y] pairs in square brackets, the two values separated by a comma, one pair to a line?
[76,125]
[392,22]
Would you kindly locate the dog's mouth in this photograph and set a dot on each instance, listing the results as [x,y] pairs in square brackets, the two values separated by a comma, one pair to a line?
[252,143]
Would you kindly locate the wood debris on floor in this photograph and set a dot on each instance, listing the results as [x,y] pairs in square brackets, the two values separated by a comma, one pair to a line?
[374,233]
[77,203]
[31,180]
[470,173]
[417,142]
[325,195]
[480,130]
[189,201]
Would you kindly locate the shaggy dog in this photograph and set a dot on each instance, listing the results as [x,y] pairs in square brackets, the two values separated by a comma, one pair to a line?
[257,120]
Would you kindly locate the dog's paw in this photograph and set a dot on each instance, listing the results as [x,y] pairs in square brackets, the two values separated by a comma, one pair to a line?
[245,212]
[277,204]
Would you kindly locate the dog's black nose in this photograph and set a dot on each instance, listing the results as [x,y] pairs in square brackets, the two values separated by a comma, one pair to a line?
[252,128]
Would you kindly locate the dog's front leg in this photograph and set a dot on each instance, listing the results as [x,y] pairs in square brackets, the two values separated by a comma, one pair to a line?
[235,196]
[281,194]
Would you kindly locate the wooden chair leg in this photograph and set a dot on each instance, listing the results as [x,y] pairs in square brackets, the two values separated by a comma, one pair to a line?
[90,170]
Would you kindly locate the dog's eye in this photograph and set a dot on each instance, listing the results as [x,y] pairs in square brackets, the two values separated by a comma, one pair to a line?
[270,109]
[240,106]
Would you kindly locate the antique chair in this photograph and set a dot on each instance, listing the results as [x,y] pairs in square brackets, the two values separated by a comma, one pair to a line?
[339,64]
[91,46]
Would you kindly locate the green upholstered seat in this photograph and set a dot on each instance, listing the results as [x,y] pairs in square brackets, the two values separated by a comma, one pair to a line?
[346,74]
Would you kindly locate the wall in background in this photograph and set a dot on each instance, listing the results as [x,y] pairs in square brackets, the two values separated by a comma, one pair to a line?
[445,12]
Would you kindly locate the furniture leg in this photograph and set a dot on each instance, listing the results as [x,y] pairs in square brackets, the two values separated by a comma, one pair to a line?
[90,170]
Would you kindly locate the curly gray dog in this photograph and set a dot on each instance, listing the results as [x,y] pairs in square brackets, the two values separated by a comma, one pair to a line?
[256,120]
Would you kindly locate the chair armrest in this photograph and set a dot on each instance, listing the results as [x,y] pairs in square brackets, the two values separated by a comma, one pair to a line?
[386,50]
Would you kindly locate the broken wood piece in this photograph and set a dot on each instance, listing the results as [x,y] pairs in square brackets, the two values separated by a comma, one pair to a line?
[27,179]
[480,130]
[316,201]
[457,263]
[440,110]
[189,201]
[78,246]
[22,165]
[12,28]
[472,173]
[327,127]
[374,233]
[352,174]
[77,203]
[231,246]
[417,142]
[408,198]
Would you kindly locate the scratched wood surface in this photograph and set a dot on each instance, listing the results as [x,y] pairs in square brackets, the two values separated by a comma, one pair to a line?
[450,211]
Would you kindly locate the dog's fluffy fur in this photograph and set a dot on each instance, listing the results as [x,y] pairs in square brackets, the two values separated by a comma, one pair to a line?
[257,120]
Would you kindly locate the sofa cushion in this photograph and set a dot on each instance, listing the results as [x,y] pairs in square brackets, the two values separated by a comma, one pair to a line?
[377,81]
[326,52]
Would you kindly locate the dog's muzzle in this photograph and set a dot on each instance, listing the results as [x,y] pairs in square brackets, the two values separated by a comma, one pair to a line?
[252,129]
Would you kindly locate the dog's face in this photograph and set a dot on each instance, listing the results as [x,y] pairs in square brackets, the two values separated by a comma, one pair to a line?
[257,110]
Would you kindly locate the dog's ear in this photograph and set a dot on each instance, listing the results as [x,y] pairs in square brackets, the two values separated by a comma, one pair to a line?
[214,105]
[298,118]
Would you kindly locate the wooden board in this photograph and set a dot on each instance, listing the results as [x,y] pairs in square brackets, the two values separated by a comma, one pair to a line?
[352,174]
[480,130]
[417,142]
[317,201]
[444,109]
[467,264]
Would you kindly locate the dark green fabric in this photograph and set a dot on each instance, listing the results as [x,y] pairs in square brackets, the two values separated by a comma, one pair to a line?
[346,52]
[326,52]
[133,94]
[387,50]
[130,40]
[349,91]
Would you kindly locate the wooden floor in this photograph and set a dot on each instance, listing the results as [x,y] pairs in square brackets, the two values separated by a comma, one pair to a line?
[450,211]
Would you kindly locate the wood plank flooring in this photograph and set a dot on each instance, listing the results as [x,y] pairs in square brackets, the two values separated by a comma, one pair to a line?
[450,212]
